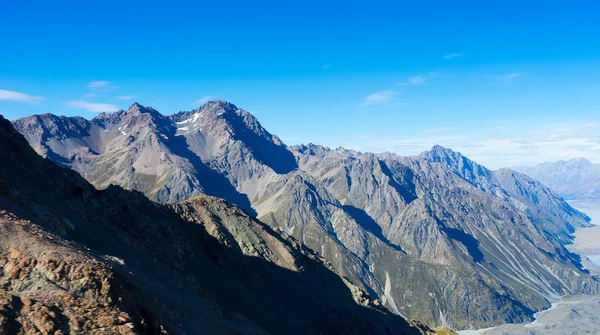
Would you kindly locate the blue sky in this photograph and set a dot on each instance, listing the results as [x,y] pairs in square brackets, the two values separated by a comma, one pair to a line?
[506,83]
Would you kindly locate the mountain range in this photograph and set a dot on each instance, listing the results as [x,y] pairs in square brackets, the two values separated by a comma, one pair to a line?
[574,179]
[435,237]
[76,260]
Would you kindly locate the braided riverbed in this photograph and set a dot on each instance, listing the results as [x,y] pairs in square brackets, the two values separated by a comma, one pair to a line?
[572,314]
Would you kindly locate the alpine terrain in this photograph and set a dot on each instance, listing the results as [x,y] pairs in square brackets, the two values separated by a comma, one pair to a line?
[76,260]
[435,237]
[575,179]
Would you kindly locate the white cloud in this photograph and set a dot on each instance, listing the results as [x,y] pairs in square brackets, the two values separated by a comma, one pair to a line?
[125,97]
[517,144]
[507,77]
[418,79]
[19,97]
[454,55]
[203,100]
[380,98]
[99,84]
[93,107]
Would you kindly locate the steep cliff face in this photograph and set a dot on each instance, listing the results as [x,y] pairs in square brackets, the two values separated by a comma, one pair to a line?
[77,260]
[435,237]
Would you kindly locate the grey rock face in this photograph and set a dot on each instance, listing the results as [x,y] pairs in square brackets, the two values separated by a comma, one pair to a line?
[436,237]
[81,261]
[217,150]
[467,234]
[575,179]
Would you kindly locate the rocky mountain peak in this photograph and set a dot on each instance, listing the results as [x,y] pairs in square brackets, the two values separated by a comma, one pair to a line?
[50,125]
[135,105]
[439,153]
[214,110]
[312,149]
[579,161]
[226,105]
[573,179]
[135,116]
[137,108]
[462,165]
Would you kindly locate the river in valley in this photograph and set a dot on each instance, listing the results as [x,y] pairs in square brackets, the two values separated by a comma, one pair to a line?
[572,314]
[587,240]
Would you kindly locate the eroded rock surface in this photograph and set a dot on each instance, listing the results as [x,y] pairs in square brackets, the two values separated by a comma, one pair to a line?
[436,237]
[75,260]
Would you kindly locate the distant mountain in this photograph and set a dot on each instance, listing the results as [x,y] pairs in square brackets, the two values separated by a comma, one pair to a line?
[436,237]
[80,261]
[575,179]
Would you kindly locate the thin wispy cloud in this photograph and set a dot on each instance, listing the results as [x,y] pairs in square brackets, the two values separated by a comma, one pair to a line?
[505,78]
[380,98]
[453,55]
[125,97]
[100,86]
[418,79]
[203,100]
[93,107]
[326,66]
[546,141]
[19,97]
[439,129]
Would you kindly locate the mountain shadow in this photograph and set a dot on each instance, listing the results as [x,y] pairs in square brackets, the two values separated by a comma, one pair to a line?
[213,182]
[198,267]
[408,191]
[469,241]
[277,157]
[367,223]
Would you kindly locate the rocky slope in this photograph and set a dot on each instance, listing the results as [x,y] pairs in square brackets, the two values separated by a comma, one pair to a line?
[74,260]
[480,246]
[575,179]
[436,237]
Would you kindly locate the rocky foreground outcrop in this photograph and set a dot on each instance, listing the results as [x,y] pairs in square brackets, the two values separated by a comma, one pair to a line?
[74,260]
